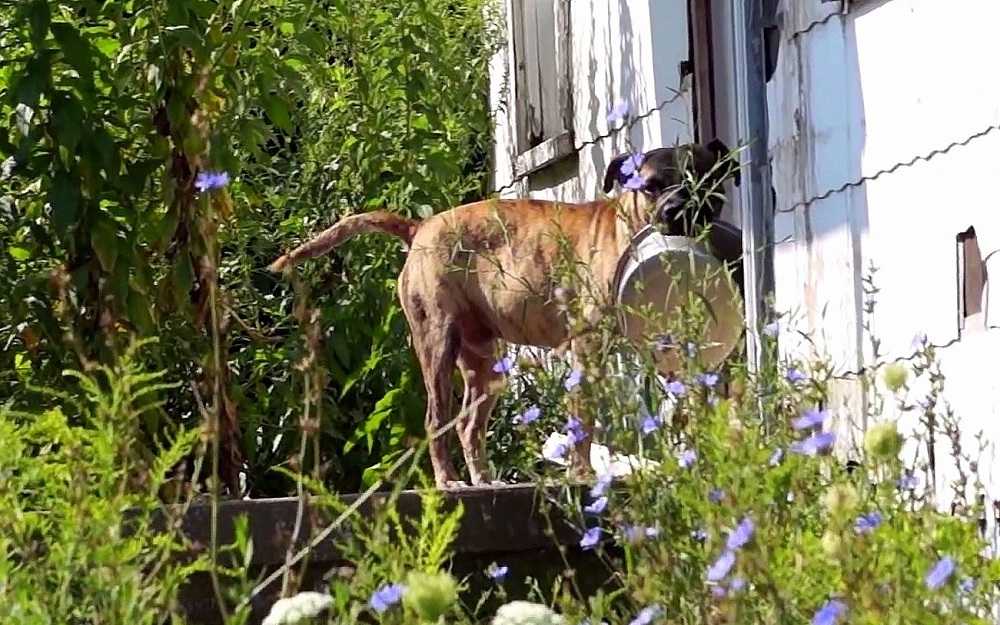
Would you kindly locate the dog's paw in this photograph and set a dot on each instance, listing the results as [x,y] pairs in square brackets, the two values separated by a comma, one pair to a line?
[454,485]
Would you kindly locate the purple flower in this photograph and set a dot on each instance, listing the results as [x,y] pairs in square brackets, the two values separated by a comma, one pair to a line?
[687,458]
[741,534]
[209,180]
[772,329]
[708,379]
[967,585]
[830,612]
[716,495]
[504,365]
[908,481]
[919,342]
[601,486]
[590,538]
[635,182]
[867,523]
[810,418]
[497,573]
[386,597]
[737,584]
[814,444]
[676,388]
[721,567]
[618,112]
[574,379]
[633,533]
[795,376]
[652,532]
[630,166]
[597,506]
[776,457]
[718,592]
[940,573]
[649,425]
[528,416]
[699,535]
[647,615]
[556,452]
[574,427]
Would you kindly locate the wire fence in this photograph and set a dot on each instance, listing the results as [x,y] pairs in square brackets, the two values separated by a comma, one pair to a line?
[516,178]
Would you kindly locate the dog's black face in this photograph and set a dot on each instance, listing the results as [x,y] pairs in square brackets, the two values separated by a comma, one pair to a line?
[684,183]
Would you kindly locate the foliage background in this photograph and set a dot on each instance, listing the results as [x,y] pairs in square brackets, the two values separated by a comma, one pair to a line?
[316,109]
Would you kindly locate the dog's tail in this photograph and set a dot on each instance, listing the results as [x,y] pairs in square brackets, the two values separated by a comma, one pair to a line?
[375,221]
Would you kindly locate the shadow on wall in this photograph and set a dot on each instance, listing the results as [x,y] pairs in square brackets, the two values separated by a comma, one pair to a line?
[816,139]
[607,54]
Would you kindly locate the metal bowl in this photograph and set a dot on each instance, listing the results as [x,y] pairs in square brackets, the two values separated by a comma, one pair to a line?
[662,272]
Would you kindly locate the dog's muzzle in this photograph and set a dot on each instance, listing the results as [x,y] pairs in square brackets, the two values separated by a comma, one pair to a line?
[669,206]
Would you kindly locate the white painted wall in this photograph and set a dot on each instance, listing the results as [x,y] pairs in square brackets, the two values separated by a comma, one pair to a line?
[854,95]
[890,80]
[619,51]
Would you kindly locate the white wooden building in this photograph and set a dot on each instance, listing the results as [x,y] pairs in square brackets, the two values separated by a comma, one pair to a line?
[874,129]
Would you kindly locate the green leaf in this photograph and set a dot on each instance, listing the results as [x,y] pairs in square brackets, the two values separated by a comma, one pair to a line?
[19,253]
[33,80]
[316,43]
[277,111]
[139,313]
[136,174]
[104,240]
[183,277]
[22,365]
[383,409]
[67,119]
[107,46]
[76,51]
[39,17]
[65,201]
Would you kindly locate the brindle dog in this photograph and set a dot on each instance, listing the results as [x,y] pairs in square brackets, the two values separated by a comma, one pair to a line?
[482,273]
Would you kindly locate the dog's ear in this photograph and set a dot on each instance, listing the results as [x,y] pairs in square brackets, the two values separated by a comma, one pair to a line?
[720,150]
[614,171]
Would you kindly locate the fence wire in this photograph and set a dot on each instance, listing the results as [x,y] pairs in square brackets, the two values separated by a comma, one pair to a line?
[891,170]
[577,148]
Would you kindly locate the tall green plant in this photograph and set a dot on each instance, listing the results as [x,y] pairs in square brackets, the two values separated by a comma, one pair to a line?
[111,110]
[77,540]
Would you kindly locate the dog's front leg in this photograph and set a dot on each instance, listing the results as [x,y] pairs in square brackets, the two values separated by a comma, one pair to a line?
[480,397]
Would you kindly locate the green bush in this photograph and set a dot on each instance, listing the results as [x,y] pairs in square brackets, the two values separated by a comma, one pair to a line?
[110,112]
[77,539]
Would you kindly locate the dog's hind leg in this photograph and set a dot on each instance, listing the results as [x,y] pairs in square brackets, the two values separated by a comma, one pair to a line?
[476,365]
[437,350]
[439,366]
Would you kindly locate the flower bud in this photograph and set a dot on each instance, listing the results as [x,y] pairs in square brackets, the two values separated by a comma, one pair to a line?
[833,544]
[883,441]
[895,376]
[841,500]
[430,595]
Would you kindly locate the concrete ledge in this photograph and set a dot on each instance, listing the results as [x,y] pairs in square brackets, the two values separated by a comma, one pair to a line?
[500,523]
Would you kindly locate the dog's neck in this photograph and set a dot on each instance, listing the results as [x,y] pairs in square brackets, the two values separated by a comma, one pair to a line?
[634,209]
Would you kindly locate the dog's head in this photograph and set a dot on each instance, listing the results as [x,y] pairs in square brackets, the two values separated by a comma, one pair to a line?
[679,187]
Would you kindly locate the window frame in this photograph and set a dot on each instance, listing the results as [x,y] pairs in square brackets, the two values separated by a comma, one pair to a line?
[560,144]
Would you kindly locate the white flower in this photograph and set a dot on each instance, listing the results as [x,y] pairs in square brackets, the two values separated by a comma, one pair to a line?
[294,609]
[526,613]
